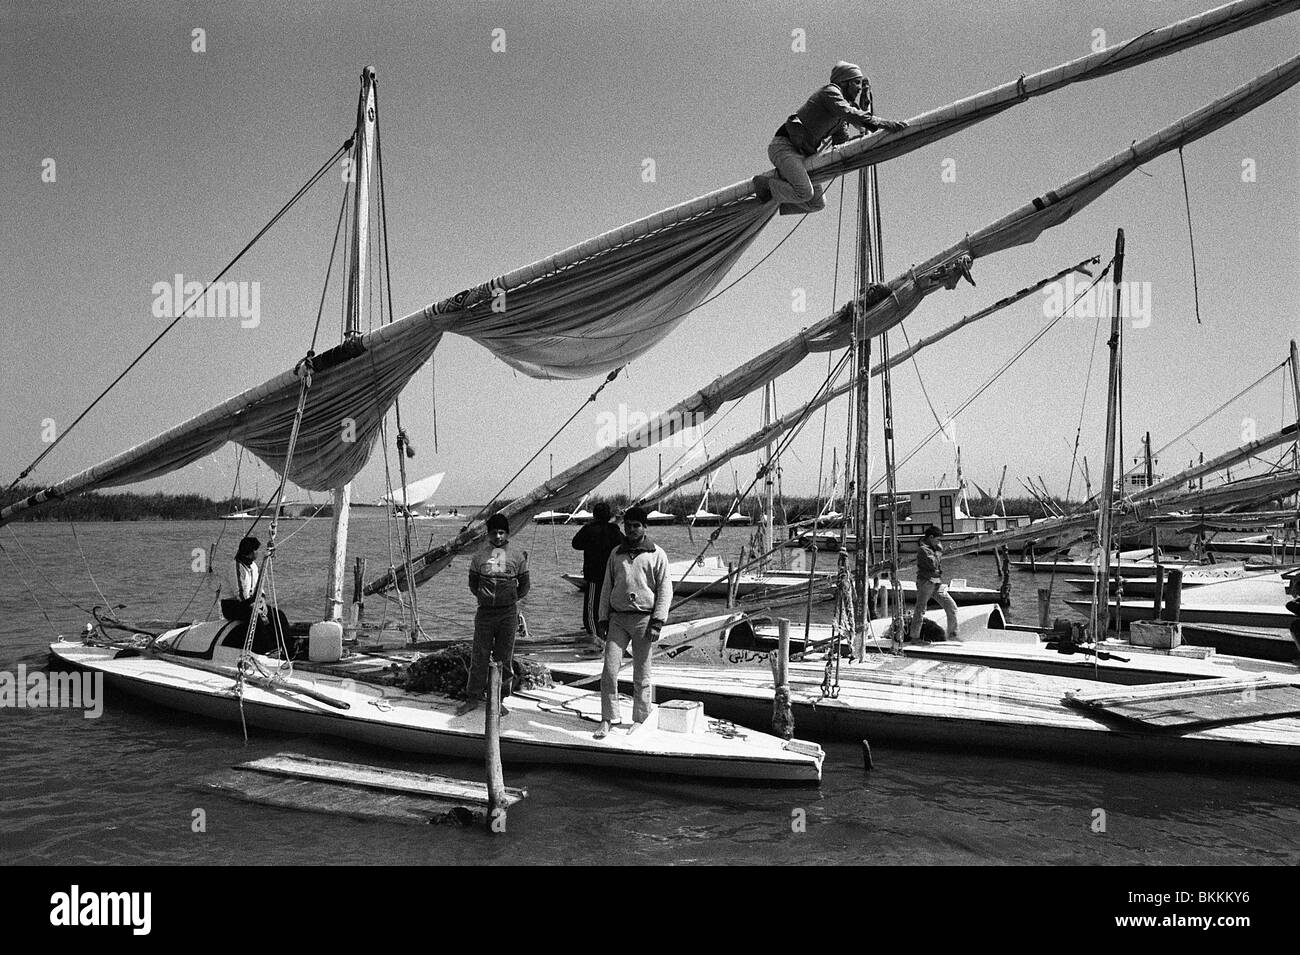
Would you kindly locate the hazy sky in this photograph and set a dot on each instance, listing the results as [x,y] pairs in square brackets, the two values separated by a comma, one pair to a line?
[168,159]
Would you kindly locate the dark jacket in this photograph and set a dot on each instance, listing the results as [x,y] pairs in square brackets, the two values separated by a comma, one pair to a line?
[597,542]
[498,576]
[826,113]
[929,561]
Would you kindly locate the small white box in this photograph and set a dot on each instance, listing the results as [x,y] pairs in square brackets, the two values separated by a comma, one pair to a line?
[681,716]
[1155,633]
[325,642]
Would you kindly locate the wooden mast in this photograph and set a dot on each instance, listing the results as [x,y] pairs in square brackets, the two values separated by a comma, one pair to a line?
[1108,466]
[862,450]
[1155,531]
[1295,393]
[362,158]
[769,482]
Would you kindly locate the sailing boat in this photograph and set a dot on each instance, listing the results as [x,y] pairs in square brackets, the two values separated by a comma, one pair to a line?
[702,516]
[661,272]
[656,516]
[215,668]
[405,500]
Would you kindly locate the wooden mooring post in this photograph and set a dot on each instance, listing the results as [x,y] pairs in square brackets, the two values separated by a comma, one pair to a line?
[782,712]
[496,784]
[358,594]
[1173,596]
[1044,606]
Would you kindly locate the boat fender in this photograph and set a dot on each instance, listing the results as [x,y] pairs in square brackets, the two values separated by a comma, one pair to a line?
[325,642]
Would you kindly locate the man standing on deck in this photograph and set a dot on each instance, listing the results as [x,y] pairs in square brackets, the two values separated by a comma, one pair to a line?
[498,577]
[634,605]
[597,541]
[929,583]
[823,118]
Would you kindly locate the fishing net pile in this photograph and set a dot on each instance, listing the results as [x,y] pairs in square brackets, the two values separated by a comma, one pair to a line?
[447,671]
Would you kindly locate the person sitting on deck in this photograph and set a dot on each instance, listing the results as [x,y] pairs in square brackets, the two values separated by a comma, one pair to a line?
[929,583]
[240,608]
[824,117]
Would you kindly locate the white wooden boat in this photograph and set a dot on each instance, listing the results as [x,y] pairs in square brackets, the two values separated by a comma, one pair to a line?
[984,637]
[658,518]
[553,726]
[895,699]
[1198,611]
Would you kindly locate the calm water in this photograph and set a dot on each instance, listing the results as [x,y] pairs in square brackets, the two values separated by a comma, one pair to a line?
[121,789]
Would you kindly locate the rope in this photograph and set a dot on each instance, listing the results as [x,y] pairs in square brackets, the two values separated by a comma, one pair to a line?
[37,567]
[338,228]
[77,540]
[549,441]
[1007,364]
[1191,239]
[26,586]
[175,321]
[403,441]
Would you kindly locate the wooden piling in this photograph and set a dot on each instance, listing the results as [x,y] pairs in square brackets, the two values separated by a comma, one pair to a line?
[1173,596]
[1044,606]
[358,593]
[1003,558]
[1158,600]
[496,815]
[733,582]
[782,711]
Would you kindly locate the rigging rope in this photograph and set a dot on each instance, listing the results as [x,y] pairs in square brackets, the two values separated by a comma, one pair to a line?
[1191,239]
[198,298]
[32,592]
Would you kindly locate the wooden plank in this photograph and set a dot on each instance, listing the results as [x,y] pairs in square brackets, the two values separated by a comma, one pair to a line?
[353,802]
[1246,703]
[1173,691]
[464,792]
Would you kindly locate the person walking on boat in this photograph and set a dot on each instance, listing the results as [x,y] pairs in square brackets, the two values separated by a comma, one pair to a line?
[930,585]
[634,603]
[822,120]
[498,577]
[597,541]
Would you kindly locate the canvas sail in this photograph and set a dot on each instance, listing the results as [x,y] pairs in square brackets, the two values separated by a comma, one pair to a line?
[416,493]
[907,292]
[603,302]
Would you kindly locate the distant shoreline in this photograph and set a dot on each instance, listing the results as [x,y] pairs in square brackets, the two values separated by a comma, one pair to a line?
[129,506]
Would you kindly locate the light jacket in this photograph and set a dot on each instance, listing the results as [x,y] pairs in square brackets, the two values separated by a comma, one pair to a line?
[637,581]
[498,576]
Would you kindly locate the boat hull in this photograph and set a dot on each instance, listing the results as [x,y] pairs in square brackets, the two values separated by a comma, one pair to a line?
[426,724]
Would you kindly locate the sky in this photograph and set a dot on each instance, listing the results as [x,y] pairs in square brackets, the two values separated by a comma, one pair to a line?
[136,151]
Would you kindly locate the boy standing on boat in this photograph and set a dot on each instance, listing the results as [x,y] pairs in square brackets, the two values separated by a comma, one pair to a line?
[597,541]
[498,577]
[929,583]
[634,605]
[823,119]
